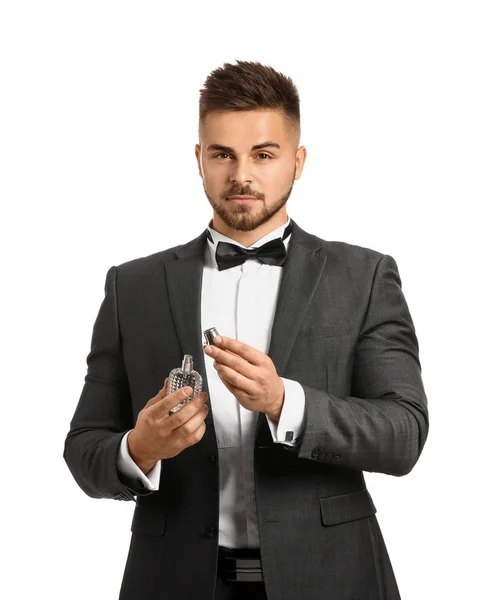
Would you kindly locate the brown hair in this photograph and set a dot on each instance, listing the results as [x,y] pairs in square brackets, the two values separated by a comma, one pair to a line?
[250,86]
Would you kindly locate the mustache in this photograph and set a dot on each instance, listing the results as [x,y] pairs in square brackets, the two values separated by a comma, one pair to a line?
[242,193]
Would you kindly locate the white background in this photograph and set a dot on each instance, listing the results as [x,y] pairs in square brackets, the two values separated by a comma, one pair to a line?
[98,122]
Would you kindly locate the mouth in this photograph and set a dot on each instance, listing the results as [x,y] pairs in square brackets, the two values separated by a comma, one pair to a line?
[241,199]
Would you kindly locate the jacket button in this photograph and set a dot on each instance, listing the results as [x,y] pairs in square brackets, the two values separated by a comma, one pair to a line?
[213,458]
[210,531]
[315,452]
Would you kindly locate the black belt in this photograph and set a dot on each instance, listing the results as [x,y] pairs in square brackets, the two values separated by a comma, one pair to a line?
[239,564]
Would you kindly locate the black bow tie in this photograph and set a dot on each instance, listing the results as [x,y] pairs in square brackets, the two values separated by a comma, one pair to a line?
[272,253]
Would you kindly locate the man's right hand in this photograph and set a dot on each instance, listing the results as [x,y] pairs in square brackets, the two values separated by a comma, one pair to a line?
[158,435]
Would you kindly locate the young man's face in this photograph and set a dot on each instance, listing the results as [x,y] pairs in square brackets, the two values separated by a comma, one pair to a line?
[229,166]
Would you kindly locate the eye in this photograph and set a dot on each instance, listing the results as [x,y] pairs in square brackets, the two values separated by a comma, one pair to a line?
[260,154]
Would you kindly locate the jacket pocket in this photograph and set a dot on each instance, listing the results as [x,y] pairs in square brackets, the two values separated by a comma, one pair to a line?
[148,521]
[346,507]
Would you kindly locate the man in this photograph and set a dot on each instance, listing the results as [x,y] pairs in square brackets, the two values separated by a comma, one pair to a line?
[255,487]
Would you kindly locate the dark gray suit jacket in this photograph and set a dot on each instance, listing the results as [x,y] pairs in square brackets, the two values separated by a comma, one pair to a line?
[343,330]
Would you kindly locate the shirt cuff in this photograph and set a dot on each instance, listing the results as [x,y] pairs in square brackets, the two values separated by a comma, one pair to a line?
[130,468]
[290,426]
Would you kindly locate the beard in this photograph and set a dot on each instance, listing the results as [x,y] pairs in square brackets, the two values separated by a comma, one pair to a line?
[243,217]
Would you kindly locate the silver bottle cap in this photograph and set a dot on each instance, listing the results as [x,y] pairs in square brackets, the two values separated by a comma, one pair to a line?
[209,335]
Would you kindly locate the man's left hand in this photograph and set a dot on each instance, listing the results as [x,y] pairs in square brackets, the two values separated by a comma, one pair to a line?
[249,375]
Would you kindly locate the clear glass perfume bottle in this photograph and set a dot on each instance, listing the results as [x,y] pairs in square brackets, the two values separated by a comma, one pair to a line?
[182,376]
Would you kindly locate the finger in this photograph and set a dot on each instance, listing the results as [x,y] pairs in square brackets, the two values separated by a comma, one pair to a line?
[185,418]
[235,392]
[174,420]
[235,362]
[236,380]
[248,353]
[163,407]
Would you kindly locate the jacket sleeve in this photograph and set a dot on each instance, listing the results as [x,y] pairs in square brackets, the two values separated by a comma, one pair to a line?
[103,414]
[382,426]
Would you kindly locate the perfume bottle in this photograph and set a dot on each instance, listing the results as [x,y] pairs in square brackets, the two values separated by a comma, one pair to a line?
[183,376]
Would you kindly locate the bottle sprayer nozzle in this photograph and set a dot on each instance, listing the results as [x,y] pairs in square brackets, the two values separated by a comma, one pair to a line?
[187,363]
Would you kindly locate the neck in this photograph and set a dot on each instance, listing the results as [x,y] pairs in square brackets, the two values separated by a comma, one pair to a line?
[248,238]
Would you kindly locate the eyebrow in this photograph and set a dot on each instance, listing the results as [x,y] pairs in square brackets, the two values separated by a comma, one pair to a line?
[232,151]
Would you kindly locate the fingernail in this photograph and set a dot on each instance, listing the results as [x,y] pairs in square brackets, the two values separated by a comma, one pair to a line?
[217,339]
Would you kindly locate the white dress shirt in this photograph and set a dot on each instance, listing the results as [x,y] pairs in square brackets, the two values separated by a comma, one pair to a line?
[240,302]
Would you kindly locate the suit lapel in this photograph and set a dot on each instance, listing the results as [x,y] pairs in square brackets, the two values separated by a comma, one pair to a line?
[301,274]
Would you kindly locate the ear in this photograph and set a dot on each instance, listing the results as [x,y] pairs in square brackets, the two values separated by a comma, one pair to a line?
[197,152]
[300,160]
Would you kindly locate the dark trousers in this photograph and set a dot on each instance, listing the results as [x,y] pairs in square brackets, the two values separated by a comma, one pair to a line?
[239,590]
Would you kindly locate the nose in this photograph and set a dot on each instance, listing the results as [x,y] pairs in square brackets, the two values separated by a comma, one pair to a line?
[241,172]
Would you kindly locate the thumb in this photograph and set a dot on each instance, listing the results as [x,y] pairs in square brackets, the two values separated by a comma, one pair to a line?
[161,394]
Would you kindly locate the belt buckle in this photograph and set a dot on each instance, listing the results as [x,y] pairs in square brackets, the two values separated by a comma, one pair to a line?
[240,569]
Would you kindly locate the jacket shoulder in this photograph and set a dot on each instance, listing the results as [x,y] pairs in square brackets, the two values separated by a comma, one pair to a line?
[147,263]
[351,254]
